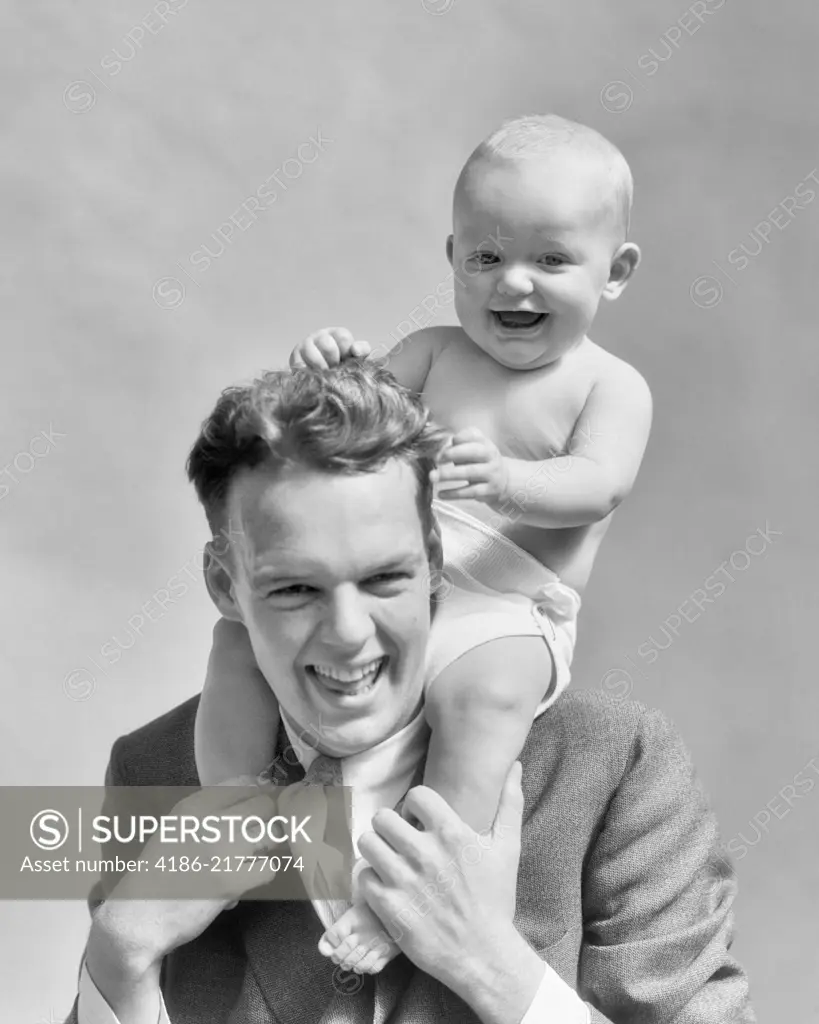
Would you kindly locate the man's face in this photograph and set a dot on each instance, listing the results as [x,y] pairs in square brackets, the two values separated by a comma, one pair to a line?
[532,253]
[331,581]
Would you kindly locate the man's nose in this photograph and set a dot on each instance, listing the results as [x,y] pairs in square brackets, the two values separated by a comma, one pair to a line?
[515,280]
[347,621]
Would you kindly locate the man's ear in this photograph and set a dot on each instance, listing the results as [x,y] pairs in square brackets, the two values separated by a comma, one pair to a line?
[624,262]
[219,581]
[450,248]
[435,561]
[435,550]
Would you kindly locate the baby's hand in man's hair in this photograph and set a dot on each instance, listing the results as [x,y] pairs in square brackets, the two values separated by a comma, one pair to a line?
[328,347]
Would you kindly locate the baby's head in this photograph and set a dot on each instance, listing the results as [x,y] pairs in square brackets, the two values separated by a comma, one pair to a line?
[540,220]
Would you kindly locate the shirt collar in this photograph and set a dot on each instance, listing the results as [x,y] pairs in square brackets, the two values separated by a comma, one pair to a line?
[379,776]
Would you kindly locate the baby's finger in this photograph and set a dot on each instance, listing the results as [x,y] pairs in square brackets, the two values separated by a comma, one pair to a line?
[360,349]
[329,347]
[471,472]
[474,492]
[446,486]
[311,355]
[471,451]
[468,434]
[343,338]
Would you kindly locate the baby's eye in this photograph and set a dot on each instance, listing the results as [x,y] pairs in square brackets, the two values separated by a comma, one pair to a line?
[483,259]
[553,259]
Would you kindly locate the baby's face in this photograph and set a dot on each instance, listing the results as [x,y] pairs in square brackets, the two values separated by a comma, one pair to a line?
[532,252]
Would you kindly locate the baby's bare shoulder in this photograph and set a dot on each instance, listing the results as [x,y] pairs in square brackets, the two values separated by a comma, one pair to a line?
[443,336]
[433,340]
[604,367]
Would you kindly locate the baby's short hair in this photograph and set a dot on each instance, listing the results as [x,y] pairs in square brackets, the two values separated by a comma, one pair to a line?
[534,135]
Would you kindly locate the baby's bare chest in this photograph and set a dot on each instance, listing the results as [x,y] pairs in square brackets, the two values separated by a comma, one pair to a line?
[528,414]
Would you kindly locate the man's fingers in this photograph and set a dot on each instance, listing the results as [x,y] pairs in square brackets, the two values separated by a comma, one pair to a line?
[397,831]
[433,811]
[381,856]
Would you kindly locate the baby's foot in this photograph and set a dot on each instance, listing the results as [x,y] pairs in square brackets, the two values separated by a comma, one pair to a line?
[358,942]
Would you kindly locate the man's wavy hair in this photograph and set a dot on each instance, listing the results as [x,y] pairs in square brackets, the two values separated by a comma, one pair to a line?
[352,418]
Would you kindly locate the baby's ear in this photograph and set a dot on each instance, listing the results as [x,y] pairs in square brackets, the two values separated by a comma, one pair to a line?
[623,264]
[450,248]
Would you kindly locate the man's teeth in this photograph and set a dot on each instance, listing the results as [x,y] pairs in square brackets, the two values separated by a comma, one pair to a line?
[349,676]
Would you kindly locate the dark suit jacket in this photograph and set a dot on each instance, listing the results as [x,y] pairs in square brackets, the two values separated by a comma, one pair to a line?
[621,889]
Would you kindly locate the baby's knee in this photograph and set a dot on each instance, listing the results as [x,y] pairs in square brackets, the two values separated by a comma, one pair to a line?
[487,682]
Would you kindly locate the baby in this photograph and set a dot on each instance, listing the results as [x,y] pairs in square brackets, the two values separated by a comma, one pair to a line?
[548,432]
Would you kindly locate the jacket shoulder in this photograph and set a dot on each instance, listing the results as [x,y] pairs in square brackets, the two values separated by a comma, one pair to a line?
[590,731]
[161,752]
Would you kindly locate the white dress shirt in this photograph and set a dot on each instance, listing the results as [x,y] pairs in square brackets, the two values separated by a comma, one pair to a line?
[379,777]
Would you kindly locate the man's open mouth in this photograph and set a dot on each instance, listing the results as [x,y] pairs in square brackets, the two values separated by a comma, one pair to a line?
[518,320]
[350,682]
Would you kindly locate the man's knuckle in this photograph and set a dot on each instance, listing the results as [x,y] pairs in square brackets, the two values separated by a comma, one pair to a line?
[450,834]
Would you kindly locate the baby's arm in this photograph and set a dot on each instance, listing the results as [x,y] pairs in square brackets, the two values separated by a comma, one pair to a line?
[238,717]
[409,360]
[581,487]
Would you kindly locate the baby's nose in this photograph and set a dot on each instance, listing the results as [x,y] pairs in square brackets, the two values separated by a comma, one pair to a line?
[515,281]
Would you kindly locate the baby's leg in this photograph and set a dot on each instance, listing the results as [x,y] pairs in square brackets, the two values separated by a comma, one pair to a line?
[238,717]
[480,710]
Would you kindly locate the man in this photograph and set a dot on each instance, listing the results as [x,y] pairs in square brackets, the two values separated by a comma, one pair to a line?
[611,907]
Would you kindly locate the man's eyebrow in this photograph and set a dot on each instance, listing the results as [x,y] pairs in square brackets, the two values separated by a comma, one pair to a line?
[399,561]
[294,570]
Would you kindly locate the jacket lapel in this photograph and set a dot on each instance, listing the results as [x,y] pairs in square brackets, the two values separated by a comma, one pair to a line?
[281,940]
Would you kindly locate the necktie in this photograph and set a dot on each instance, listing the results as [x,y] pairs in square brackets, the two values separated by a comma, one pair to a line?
[324,771]
[327,771]
[354,1001]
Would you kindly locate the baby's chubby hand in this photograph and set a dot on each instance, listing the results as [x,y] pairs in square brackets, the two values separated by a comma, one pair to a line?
[328,347]
[471,467]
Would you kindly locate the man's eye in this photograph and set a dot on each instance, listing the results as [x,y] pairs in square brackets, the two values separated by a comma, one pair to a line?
[295,590]
[553,260]
[386,578]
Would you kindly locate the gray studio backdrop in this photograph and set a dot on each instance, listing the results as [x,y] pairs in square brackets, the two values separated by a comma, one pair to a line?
[131,136]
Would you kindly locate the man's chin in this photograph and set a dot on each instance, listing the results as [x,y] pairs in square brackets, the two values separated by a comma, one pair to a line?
[345,736]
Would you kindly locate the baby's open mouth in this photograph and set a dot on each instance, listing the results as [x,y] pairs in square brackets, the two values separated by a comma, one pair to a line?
[519,320]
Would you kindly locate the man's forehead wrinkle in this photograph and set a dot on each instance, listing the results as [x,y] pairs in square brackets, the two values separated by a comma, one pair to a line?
[333,523]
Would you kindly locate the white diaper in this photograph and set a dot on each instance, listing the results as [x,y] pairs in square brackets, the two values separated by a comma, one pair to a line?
[490,588]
